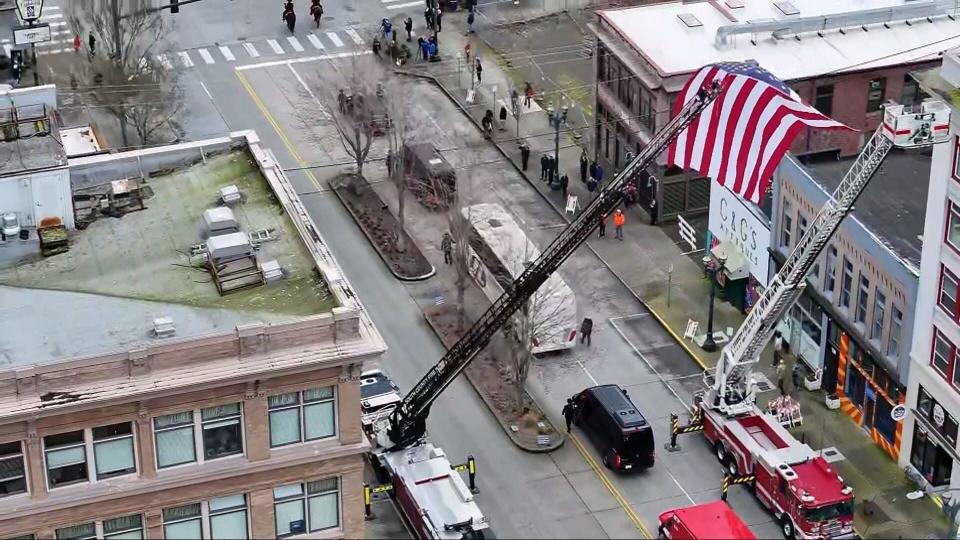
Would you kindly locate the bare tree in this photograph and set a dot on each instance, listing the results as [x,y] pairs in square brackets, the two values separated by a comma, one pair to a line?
[398,107]
[354,84]
[129,80]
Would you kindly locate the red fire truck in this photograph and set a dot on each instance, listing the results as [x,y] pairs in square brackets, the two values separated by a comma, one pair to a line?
[710,521]
[796,484]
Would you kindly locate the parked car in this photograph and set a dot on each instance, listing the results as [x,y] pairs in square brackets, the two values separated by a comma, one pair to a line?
[10,224]
[621,434]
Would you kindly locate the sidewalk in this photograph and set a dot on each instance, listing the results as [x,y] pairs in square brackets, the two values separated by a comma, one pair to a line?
[674,288]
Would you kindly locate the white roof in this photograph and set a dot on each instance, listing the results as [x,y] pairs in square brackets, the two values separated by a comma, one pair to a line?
[674,48]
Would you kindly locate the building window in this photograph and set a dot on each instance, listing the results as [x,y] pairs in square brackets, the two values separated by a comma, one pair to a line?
[787,225]
[66,458]
[113,450]
[879,314]
[309,507]
[302,416]
[847,283]
[911,91]
[953,227]
[831,279]
[823,99]
[222,518]
[801,226]
[947,299]
[884,423]
[942,356]
[875,93]
[13,479]
[221,435]
[121,528]
[860,315]
[896,323]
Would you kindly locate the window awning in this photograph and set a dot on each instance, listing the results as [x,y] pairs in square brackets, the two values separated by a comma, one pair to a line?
[736,265]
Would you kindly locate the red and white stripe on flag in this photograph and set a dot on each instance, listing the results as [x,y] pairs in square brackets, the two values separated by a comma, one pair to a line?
[740,138]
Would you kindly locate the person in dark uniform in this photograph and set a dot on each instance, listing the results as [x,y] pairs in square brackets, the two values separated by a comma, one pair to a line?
[568,413]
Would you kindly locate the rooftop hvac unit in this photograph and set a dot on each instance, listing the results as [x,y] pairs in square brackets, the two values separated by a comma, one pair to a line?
[220,220]
[163,327]
[271,271]
[230,195]
[229,246]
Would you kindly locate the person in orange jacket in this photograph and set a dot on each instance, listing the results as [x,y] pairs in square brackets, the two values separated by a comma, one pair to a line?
[618,220]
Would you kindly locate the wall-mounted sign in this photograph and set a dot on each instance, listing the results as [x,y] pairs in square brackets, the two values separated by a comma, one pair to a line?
[898,412]
[731,219]
[938,416]
[25,35]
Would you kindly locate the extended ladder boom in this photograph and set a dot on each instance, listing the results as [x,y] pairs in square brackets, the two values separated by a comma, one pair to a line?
[731,389]
[407,423]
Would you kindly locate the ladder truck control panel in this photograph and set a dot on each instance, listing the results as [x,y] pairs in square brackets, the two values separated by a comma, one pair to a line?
[789,478]
[433,502]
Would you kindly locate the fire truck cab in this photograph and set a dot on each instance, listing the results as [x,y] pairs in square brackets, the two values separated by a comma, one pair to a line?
[710,521]
[791,479]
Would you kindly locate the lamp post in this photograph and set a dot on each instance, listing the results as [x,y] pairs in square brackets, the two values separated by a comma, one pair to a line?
[709,344]
[557,116]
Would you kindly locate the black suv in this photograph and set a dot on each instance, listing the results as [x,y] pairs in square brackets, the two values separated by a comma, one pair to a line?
[622,435]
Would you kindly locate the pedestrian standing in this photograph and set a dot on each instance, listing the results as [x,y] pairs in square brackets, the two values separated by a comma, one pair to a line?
[446,245]
[591,185]
[76,43]
[564,181]
[479,70]
[503,117]
[342,101]
[514,99]
[599,175]
[408,26]
[593,170]
[524,154]
[583,166]
[316,10]
[466,53]
[551,169]
[527,95]
[428,17]
[568,413]
[92,44]
[543,167]
[603,225]
[439,19]
[653,211]
[586,328]
[777,348]
[470,22]
[618,221]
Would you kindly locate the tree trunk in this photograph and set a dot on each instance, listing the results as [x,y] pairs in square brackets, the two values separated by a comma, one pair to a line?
[123,127]
[461,312]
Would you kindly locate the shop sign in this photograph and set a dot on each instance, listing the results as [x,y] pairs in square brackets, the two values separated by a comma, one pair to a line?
[898,413]
[735,220]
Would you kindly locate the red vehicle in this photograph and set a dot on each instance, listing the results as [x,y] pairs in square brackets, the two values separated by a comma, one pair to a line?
[710,521]
[791,479]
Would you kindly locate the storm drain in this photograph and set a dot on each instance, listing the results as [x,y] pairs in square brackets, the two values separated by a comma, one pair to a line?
[762,382]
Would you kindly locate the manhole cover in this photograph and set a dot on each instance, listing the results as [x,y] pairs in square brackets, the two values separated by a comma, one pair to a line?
[762,383]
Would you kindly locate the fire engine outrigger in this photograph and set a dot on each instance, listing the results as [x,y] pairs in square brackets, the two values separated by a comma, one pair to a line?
[432,500]
[793,481]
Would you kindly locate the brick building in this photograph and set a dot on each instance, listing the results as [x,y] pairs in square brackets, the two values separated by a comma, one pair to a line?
[843,59]
[244,424]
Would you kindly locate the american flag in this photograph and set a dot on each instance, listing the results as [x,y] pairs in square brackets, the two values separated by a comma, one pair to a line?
[739,139]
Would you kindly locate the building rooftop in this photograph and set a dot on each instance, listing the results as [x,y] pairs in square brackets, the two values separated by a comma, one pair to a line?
[678,38]
[29,140]
[894,204]
[121,273]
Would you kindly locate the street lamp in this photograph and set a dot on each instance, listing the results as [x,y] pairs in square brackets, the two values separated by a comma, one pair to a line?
[557,117]
[709,344]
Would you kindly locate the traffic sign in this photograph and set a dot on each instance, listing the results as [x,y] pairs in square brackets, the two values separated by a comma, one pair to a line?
[29,10]
[24,35]
[898,413]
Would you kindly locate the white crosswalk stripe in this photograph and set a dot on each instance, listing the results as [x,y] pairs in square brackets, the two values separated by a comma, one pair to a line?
[55,24]
[227,53]
[275,46]
[251,50]
[315,41]
[207,57]
[354,36]
[51,16]
[335,39]
[295,43]
[185,58]
[51,8]
[164,61]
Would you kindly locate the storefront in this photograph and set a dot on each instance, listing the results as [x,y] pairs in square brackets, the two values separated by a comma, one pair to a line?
[866,390]
[934,440]
[740,233]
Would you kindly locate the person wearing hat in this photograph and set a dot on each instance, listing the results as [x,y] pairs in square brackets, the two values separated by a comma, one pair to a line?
[618,221]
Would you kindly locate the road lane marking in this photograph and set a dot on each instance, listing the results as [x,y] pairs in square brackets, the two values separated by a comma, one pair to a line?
[295,43]
[404,5]
[275,46]
[209,95]
[301,60]
[227,53]
[276,127]
[584,368]
[637,352]
[315,41]
[313,96]
[335,39]
[185,58]
[251,50]
[354,36]
[207,57]
[609,485]
[164,61]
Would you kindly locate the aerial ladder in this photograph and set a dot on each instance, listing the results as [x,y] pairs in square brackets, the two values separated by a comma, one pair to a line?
[406,424]
[730,387]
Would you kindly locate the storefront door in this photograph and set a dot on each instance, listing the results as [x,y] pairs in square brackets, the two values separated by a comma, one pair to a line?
[831,360]
[869,403]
